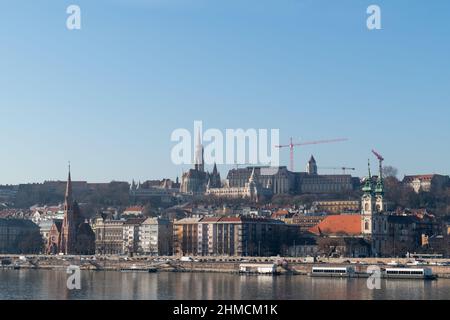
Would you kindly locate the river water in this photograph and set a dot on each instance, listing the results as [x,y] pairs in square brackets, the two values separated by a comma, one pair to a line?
[51,285]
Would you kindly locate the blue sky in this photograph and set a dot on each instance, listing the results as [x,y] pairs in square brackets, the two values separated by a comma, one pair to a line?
[108,96]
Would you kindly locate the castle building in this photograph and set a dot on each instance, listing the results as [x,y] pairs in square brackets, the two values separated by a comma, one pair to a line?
[73,235]
[278,180]
[314,183]
[252,190]
[282,181]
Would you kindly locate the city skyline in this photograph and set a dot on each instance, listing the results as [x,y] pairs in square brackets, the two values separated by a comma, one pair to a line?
[107,97]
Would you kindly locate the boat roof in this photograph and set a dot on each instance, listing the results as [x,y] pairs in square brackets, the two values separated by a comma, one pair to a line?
[407,269]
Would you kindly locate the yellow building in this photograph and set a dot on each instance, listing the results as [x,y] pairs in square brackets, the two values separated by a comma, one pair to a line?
[337,206]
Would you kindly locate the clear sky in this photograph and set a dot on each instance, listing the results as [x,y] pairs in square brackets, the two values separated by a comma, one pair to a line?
[108,96]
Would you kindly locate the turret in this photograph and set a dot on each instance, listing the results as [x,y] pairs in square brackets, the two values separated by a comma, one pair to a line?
[311,167]
[367,187]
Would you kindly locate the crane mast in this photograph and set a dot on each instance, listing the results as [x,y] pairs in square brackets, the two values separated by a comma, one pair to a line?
[292,145]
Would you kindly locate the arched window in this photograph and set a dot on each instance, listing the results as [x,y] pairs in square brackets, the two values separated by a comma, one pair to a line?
[366,207]
[366,225]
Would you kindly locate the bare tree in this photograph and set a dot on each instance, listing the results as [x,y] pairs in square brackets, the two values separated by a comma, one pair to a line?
[390,171]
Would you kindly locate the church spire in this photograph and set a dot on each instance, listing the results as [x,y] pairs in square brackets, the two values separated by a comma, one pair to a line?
[379,189]
[367,188]
[68,195]
[199,163]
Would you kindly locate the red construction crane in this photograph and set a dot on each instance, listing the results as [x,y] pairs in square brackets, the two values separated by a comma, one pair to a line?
[291,146]
[380,160]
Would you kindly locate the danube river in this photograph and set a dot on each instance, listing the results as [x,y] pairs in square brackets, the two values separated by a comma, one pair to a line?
[51,285]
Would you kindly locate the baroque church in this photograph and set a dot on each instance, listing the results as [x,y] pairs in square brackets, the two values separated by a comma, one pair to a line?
[197,180]
[372,202]
[72,235]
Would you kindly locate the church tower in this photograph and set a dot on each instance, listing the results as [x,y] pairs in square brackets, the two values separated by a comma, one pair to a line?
[367,206]
[199,155]
[380,204]
[215,178]
[69,225]
[311,167]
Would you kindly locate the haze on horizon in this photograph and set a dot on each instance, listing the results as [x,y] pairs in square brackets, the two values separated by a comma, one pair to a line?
[107,97]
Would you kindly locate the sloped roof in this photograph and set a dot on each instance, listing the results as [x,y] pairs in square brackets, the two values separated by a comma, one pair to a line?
[58,224]
[339,225]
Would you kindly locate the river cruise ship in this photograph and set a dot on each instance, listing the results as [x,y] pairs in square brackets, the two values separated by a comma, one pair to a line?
[386,273]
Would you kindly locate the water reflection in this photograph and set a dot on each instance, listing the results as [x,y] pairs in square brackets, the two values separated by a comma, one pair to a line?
[51,284]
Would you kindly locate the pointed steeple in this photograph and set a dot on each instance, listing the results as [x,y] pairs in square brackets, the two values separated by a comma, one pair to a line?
[367,188]
[68,196]
[379,189]
[199,163]
[214,169]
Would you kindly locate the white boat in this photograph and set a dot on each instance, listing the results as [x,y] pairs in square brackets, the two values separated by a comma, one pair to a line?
[335,272]
[409,273]
[135,268]
[258,268]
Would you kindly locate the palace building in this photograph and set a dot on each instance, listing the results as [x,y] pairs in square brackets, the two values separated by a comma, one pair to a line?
[251,190]
[282,181]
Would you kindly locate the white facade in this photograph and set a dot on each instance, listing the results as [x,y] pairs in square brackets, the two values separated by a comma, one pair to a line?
[155,237]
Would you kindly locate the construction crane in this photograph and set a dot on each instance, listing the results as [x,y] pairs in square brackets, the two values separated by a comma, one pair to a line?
[380,161]
[291,146]
[338,168]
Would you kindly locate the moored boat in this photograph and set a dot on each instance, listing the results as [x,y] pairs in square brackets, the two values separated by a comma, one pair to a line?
[332,272]
[135,268]
[408,273]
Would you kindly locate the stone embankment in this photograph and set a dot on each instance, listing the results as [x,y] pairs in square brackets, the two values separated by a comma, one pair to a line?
[299,266]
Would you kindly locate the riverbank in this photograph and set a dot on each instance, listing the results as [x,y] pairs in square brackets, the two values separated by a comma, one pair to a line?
[291,266]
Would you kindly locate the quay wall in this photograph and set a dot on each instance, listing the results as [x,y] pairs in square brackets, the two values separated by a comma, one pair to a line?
[208,264]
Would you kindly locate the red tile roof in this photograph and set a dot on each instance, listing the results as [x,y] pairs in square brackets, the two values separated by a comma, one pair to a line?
[339,225]
[280,213]
[134,208]
[231,219]
[422,177]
